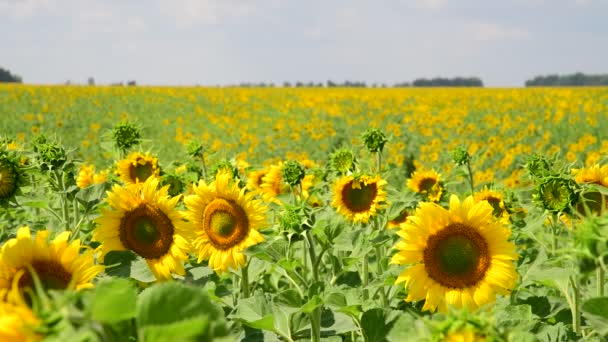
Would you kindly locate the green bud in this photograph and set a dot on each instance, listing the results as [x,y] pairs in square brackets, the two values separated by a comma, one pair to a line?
[195,149]
[539,166]
[461,156]
[374,139]
[125,136]
[290,220]
[224,166]
[292,172]
[556,194]
[51,156]
[343,160]
[10,178]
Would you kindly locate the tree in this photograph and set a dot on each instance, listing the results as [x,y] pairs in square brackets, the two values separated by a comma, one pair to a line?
[6,76]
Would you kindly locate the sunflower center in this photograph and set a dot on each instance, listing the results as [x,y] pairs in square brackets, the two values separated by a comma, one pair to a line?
[7,181]
[140,172]
[495,203]
[225,223]
[359,199]
[147,231]
[457,256]
[52,275]
[427,184]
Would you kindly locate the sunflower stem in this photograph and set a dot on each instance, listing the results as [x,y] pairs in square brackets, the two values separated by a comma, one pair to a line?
[63,199]
[576,316]
[553,233]
[364,277]
[470,172]
[245,280]
[315,315]
[204,165]
[379,256]
[600,281]
[379,161]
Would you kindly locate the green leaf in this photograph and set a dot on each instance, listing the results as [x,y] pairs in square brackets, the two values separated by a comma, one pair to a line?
[255,312]
[519,316]
[36,204]
[595,311]
[312,304]
[374,325]
[113,301]
[126,264]
[193,329]
[404,329]
[92,195]
[171,302]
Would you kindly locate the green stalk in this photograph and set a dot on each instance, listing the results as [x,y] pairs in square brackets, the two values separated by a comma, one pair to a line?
[315,316]
[365,277]
[553,233]
[576,315]
[379,161]
[379,255]
[470,172]
[600,281]
[245,280]
[64,200]
[204,166]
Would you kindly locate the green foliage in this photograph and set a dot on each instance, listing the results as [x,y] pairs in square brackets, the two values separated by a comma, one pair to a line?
[292,172]
[125,135]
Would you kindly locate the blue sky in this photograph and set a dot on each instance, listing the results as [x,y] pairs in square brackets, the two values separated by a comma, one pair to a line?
[182,42]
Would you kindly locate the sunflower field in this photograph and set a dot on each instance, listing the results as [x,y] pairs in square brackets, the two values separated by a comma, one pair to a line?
[283,214]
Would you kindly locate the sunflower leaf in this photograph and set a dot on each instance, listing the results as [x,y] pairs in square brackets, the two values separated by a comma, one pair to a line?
[595,311]
[113,301]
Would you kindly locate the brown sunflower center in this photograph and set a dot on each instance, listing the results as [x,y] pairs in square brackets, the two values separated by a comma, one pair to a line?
[457,256]
[495,203]
[141,172]
[7,181]
[402,217]
[52,275]
[147,231]
[427,184]
[359,199]
[225,223]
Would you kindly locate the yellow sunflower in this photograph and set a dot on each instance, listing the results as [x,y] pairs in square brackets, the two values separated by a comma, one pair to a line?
[85,176]
[143,219]
[58,264]
[461,256]
[463,335]
[427,183]
[137,168]
[594,175]
[396,221]
[255,179]
[496,200]
[273,185]
[359,198]
[17,321]
[225,220]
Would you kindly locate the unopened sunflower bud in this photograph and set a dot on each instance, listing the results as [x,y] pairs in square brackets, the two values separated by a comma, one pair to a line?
[125,136]
[461,156]
[374,139]
[292,172]
[556,194]
[343,160]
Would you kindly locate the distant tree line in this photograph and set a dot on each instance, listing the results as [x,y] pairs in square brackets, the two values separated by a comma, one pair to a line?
[420,82]
[576,79]
[7,77]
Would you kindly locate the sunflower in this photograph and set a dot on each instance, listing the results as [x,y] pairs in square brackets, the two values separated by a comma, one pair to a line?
[396,221]
[137,168]
[58,264]
[10,177]
[459,256]
[143,219]
[225,220]
[17,321]
[358,198]
[593,175]
[463,335]
[273,185]
[427,183]
[496,200]
[255,179]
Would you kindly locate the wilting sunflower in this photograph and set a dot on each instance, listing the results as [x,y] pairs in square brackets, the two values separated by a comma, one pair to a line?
[225,220]
[461,256]
[427,183]
[359,198]
[592,175]
[496,200]
[17,321]
[143,219]
[273,185]
[58,264]
[137,168]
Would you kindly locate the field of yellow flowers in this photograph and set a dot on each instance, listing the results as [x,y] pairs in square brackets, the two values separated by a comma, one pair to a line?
[283,214]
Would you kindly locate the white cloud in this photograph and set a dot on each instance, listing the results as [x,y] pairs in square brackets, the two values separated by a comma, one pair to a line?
[24,8]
